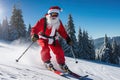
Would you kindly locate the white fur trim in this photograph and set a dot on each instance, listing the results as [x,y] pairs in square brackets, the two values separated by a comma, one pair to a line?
[54,27]
[40,36]
[52,34]
[53,10]
[53,23]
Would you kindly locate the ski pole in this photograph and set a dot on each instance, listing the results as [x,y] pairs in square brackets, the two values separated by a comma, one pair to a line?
[74,55]
[24,52]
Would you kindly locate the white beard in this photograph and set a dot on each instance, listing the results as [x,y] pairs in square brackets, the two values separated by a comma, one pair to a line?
[54,23]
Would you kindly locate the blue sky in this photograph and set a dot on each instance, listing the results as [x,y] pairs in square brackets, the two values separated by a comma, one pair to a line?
[98,17]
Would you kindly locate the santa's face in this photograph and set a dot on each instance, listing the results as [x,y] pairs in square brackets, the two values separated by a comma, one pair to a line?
[52,18]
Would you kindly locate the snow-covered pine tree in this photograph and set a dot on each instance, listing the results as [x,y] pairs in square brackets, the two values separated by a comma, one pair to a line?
[28,36]
[105,51]
[86,46]
[91,49]
[114,57]
[80,43]
[71,32]
[17,26]
[5,29]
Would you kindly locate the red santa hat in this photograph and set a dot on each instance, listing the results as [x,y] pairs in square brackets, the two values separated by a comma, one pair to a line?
[54,9]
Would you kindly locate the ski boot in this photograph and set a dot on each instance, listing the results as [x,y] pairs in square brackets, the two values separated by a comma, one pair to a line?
[49,66]
[64,67]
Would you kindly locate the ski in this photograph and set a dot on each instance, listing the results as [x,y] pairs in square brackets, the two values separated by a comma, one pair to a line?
[69,74]
[74,75]
[60,73]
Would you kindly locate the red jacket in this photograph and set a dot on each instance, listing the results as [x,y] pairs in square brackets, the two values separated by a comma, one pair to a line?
[39,28]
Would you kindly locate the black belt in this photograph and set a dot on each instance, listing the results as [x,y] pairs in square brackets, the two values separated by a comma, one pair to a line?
[51,37]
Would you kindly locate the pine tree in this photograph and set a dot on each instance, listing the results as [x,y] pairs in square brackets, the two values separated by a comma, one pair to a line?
[17,26]
[71,29]
[91,49]
[5,29]
[114,57]
[80,43]
[86,46]
[28,36]
[71,32]
[105,50]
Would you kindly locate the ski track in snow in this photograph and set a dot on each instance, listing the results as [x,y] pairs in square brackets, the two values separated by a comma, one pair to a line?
[30,66]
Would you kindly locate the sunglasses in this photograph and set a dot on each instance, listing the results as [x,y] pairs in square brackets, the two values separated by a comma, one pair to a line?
[54,14]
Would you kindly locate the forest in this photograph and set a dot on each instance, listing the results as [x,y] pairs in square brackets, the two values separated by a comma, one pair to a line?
[83,45]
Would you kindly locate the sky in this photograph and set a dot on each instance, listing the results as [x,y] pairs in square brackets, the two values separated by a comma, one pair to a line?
[97,17]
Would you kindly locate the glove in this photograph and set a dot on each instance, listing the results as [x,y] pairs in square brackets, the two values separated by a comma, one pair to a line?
[34,37]
[69,41]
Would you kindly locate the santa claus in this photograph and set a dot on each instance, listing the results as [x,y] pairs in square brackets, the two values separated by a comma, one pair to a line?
[45,33]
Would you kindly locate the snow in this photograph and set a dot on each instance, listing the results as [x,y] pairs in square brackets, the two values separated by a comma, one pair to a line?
[30,66]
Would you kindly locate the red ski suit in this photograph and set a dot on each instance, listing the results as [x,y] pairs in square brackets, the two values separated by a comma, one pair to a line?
[43,42]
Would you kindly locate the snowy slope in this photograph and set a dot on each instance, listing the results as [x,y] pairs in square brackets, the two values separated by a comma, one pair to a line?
[30,67]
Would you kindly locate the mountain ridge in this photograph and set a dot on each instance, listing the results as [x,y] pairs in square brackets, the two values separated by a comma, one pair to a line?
[99,41]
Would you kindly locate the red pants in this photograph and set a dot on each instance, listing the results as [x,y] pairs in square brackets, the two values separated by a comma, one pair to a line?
[57,50]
